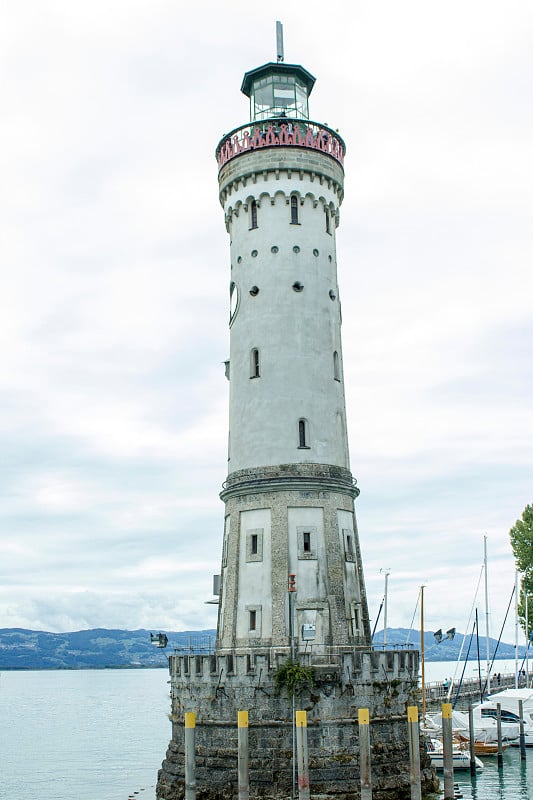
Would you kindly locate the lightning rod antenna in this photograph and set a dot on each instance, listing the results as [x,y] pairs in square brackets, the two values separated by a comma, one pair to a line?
[279,41]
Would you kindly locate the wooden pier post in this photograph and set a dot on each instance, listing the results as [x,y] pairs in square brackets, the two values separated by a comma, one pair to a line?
[447,751]
[363,717]
[242,756]
[414,752]
[499,729]
[303,757]
[522,734]
[190,756]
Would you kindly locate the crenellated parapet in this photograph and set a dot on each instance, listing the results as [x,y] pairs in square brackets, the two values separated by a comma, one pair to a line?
[343,667]
[282,132]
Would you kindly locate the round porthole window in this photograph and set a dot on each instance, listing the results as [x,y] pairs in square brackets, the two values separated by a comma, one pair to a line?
[297,286]
[330,259]
[254,291]
[274,249]
[295,249]
[332,294]
[254,253]
[239,259]
[315,252]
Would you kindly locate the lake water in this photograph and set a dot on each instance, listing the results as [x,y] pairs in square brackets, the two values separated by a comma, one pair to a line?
[102,735]
[82,734]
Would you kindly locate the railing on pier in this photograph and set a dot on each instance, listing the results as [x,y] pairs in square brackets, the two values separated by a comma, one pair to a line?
[196,645]
[437,691]
[281,132]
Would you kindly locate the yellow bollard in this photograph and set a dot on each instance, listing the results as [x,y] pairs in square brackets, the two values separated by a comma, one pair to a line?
[414,752]
[303,758]
[242,756]
[363,717]
[190,756]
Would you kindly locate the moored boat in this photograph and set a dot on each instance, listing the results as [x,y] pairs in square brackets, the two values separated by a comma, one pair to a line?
[460,757]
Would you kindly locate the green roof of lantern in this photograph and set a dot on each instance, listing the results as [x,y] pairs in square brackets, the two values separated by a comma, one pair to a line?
[277,69]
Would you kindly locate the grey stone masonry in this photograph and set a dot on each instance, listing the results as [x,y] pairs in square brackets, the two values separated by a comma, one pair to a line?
[293,163]
[330,591]
[217,687]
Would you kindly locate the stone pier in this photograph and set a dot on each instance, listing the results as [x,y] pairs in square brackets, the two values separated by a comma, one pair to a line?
[216,687]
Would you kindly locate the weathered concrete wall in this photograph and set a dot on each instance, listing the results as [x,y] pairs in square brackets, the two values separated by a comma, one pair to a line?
[274,503]
[383,682]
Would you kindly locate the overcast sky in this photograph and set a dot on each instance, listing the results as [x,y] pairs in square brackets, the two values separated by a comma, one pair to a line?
[114,301]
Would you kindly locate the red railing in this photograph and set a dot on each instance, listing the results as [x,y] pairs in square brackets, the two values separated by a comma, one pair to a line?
[277,133]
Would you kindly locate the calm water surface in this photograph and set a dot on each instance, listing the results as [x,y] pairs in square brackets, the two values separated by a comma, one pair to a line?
[102,735]
[82,734]
[513,782]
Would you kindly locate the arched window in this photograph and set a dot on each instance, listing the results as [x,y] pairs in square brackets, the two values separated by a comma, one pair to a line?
[253,214]
[328,221]
[294,210]
[336,366]
[303,433]
[254,363]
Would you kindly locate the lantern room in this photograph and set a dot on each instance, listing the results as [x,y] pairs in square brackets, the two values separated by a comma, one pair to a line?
[278,90]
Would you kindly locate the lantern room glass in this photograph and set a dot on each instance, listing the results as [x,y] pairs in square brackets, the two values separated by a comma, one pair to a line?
[278,96]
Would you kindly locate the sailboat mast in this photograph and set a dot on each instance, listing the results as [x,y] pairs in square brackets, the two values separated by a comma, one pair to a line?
[422,652]
[487,682]
[516,593]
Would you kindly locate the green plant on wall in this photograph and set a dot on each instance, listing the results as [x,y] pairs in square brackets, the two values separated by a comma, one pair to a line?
[293,676]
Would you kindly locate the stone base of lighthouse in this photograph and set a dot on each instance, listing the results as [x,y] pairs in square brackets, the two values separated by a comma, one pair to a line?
[217,687]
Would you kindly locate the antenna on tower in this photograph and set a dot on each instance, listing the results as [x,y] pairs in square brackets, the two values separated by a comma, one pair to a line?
[279,41]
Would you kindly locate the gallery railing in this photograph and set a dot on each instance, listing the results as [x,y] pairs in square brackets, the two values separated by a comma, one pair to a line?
[281,132]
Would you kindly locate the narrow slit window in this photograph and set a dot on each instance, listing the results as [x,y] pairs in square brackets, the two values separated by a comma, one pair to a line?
[328,221]
[294,210]
[253,214]
[253,620]
[303,438]
[307,541]
[336,366]
[356,621]
[253,544]
[254,363]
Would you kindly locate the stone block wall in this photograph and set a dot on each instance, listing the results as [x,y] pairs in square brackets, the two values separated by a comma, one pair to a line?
[383,682]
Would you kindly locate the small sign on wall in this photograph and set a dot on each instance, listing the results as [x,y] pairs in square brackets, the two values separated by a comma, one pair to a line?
[308,631]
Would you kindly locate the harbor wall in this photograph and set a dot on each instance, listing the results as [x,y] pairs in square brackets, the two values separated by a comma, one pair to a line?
[217,687]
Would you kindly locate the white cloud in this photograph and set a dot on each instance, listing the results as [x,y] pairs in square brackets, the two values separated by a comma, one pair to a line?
[115,289]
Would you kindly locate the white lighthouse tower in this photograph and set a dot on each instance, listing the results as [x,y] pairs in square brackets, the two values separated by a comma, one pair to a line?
[291,589]
[289,492]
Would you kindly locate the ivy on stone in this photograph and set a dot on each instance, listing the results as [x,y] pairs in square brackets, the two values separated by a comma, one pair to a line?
[293,676]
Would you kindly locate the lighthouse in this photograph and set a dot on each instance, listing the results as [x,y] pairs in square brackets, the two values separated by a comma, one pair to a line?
[291,587]
[289,494]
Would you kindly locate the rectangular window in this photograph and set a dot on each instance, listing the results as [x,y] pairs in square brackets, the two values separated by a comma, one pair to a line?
[254,544]
[306,538]
[349,544]
[253,214]
[254,621]
[303,438]
[294,210]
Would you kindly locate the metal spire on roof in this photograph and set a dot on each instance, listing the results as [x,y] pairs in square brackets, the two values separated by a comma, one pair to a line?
[279,41]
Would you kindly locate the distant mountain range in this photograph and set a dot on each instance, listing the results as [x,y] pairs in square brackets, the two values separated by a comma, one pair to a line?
[98,648]
[448,649]
[101,648]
